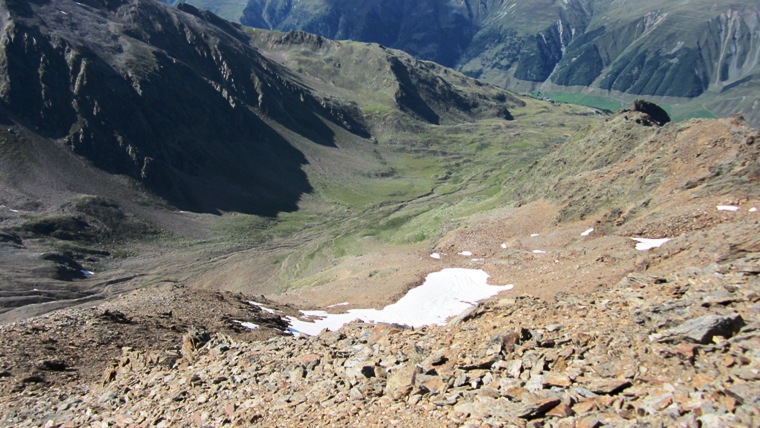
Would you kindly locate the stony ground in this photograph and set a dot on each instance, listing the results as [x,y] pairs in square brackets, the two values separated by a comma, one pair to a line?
[675,350]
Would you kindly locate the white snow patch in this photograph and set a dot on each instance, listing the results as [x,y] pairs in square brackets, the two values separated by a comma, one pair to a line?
[648,243]
[444,294]
[539,252]
[587,232]
[265,309]
[504,245]
[753,210]
[477,260]
[436,256]
[727,208]
[533,235]
[250,325]
[88,273]
[466,253]
[339,304]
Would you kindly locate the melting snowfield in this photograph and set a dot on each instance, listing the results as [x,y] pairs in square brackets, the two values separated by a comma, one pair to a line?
[444,294]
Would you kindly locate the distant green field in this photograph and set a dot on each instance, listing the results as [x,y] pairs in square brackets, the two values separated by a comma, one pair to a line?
[678,112]
[601,103]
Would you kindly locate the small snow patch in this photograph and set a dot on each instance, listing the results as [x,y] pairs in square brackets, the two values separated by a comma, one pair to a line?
[88,273]
[539,252]
[645,244]
[436,256]
[533,235]
[338,304]
[262,307]
[466,253]
[250,325]
[504,245]
[587,232]
[753,210]
[727,208]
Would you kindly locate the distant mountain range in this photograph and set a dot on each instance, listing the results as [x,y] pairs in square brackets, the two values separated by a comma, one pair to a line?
[672,51]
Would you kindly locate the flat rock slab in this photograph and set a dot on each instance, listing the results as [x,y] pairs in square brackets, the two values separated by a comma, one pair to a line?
[702,330]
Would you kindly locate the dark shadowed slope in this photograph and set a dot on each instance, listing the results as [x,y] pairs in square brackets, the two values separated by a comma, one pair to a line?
[171,99]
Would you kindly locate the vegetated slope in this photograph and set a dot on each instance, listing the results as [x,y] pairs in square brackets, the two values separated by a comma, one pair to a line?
[119,113]
[663,336]
[621,49]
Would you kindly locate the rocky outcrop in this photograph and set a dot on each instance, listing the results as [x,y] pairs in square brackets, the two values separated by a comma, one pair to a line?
[654,113]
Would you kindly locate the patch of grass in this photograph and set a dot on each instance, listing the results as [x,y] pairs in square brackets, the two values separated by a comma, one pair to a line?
[597,102]
[68,228]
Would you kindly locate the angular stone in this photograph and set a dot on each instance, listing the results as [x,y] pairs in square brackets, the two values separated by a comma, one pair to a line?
[537,408]
[434,384]
[481,363]
[468,314]
[515,393]
[588,422]
[401,381]
[515,368]
[562,410]
[702,330]
[608,386]
[436,359]
[536,383]
[586,406]
[556,379]
[503,342]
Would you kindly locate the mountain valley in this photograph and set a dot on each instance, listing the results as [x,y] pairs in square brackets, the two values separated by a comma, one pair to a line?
[177,187]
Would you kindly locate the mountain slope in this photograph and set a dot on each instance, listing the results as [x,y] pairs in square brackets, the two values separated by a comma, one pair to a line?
[662,336]
[676,51]
[165,97]
[129,126]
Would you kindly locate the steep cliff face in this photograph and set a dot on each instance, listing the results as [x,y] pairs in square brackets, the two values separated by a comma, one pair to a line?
[657,55]
[523,40]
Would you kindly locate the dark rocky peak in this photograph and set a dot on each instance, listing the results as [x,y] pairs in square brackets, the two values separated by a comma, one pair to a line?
[300,38]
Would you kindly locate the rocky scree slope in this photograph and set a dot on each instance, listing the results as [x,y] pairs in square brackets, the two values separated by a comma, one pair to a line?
[663,350]
[678,50]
